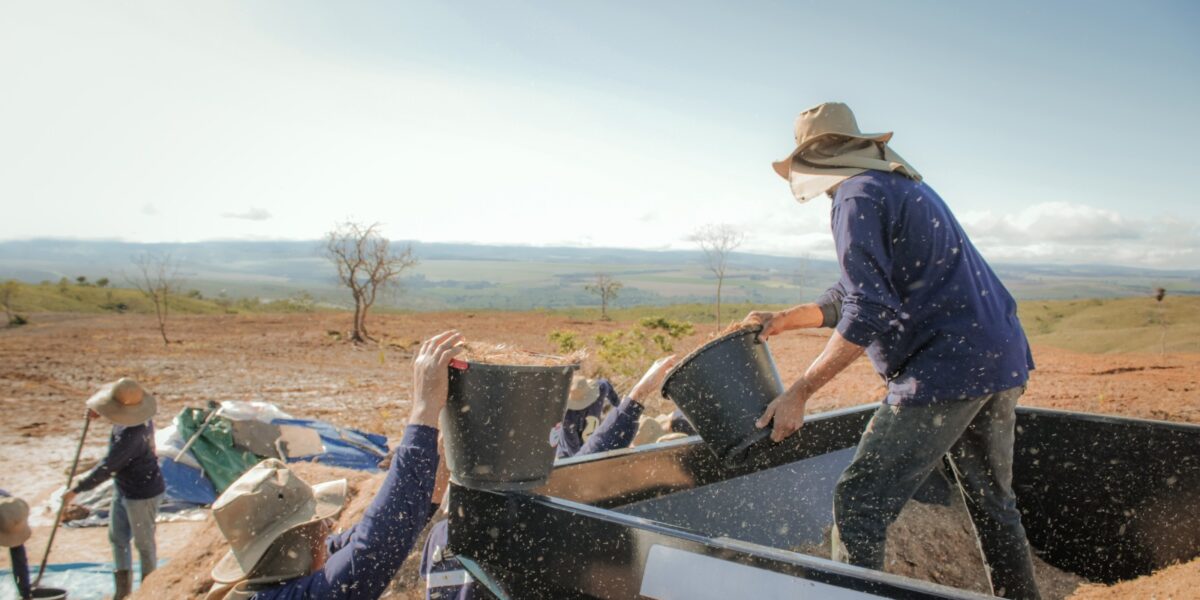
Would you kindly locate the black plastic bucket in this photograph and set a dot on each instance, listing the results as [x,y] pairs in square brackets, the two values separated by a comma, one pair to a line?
[498,420]
[723,388]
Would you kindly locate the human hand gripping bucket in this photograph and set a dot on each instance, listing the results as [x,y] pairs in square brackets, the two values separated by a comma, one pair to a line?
[497,423]
[723,388]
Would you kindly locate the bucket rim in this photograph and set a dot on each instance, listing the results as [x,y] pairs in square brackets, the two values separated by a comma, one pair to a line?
[477,366]
[755,330]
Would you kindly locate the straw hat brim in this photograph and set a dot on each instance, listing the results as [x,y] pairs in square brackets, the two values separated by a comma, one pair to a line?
[18,536]
[783,167]
[583,394]
[107,406]
[328,500]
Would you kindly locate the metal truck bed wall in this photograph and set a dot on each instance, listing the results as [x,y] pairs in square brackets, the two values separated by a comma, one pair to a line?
[1105,497]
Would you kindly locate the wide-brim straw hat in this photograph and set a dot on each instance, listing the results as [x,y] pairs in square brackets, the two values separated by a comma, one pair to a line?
[14,522]
[584,392]
[124,402]
[264,503]
[812,174]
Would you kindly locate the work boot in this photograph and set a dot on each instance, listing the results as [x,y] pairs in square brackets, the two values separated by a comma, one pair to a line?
[124,581]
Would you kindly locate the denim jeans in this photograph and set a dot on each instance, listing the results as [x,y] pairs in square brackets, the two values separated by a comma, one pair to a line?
[899,449]
[133,520]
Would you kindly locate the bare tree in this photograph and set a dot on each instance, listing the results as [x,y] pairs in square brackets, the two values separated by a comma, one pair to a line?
[366,264]
[157,278]
[1159,294]
[718,242]
[607,288]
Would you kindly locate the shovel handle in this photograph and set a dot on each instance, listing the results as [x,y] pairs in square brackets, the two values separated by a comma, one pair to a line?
[62,506]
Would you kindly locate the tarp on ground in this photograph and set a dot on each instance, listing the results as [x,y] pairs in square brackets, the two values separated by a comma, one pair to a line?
[82,581]
[214,449]
[344,447]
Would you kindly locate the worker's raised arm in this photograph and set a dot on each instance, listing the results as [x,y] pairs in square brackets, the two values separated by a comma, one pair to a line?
[621,424]
[379,543]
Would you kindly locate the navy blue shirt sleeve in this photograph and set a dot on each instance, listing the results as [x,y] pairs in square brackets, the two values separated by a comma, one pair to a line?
[379,543]
[830,304]
[617,430]
[20,569]
[124,446]
[870,304]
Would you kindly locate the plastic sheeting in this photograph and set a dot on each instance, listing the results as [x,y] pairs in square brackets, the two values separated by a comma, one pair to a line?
[222,462]
[343,447]
[82,581]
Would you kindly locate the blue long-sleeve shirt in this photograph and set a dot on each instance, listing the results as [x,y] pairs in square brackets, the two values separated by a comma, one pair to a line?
[364,559]
[937,323]
[568,436]
[132,461]
[20,565]
[444,575]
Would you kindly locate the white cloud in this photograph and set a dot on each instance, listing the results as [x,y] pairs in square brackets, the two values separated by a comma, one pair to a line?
[1063,232]
[254,214]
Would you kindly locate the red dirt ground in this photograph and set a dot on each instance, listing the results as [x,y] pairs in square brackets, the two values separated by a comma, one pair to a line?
[48,368]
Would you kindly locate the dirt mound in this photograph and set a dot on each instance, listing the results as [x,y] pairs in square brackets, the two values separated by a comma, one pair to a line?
[186,575]
[1174,582]
[937,543]
[503,354]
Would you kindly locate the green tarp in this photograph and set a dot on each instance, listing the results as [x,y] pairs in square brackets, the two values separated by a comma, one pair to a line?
[214,449]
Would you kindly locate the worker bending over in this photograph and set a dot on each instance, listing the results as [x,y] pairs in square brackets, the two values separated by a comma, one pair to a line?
[938,326]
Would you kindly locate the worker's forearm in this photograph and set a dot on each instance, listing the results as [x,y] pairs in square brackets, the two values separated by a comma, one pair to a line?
[803,316]
[838,354]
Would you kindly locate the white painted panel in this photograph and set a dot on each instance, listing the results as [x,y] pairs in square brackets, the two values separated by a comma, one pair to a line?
[673,574]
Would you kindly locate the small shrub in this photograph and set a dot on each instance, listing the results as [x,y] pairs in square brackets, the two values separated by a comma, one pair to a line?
[627,353]
[102,282]
[565,341]
[17,321]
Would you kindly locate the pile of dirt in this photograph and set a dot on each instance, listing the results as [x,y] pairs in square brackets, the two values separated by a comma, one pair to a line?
[502,354]
[938,544]
[1177,581]
[187,573]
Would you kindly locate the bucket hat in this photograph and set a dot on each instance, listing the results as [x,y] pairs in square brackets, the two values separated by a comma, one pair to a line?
[264,503]
[124,402]
[830,148]
[14,522]
[584,391]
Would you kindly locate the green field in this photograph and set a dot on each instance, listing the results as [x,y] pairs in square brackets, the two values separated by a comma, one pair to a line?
[1133,324]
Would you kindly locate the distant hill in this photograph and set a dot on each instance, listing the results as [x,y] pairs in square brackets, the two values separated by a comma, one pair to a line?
[520,277]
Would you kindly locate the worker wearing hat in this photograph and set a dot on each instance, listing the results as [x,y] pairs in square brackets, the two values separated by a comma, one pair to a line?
[940,328]
[131,461]
[582,431]
[279,527]
[14,532]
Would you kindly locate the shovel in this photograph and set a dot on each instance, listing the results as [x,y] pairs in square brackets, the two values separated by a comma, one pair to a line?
[87,421]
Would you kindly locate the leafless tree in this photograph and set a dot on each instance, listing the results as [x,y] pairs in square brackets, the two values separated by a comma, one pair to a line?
[157,278]
[366,264]
[718,242]
[607,288]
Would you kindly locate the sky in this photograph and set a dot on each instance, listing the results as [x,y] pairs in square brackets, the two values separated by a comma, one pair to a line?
[1057,132]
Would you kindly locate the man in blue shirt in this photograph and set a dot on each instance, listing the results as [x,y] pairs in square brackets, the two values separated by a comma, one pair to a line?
[278,526]
[132,462]
[14,532]
[941,330]
[445,578]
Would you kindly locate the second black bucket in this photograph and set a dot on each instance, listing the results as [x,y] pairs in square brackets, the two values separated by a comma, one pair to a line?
[498,420]
[723,388]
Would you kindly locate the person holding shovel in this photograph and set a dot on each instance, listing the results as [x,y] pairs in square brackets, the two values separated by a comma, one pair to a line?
[278,526]
[940,328]
[14,532]
[131,461]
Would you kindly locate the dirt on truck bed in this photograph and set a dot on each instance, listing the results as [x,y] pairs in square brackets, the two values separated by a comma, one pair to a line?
[301,363]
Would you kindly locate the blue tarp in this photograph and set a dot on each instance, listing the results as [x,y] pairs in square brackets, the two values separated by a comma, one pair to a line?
[82,581]
[346,448]
[185,484]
